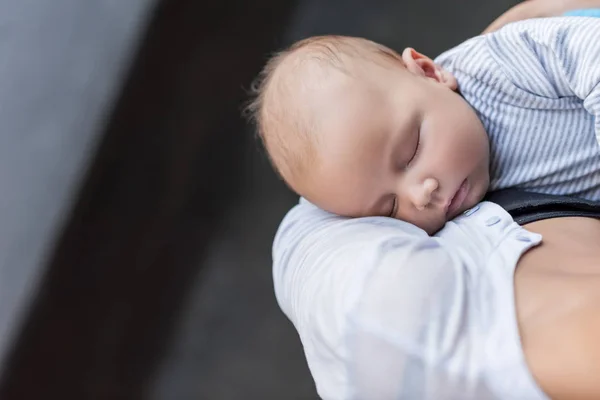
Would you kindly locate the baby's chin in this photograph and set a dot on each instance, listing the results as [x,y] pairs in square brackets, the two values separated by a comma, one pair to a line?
[435,228]
[467,205]
[472,200]
[475,196]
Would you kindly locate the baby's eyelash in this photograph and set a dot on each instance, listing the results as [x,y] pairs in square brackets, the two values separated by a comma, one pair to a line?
[394,204]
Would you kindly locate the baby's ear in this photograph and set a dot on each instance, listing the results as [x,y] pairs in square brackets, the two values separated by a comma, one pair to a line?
[421,65]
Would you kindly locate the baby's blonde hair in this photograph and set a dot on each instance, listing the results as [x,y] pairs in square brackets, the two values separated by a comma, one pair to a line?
[287,133]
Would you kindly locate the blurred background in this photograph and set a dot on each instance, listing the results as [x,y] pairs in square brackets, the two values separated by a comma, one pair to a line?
[137,209]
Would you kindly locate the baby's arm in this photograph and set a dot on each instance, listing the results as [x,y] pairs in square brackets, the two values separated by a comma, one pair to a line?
[553,58]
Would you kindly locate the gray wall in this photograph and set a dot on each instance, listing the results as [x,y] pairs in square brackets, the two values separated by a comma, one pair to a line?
[61,65]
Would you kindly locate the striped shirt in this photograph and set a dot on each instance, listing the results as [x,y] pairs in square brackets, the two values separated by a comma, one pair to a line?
[534,85]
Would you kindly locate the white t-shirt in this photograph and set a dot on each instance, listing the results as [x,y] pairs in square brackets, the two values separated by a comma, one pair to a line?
[386,312]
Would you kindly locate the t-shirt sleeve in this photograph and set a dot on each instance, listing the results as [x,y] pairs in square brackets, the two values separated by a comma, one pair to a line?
[552,58]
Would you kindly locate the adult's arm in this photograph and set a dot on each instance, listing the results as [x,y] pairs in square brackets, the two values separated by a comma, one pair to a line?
[539,9]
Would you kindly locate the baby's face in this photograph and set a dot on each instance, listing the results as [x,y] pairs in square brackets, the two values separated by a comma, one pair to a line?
[398,144]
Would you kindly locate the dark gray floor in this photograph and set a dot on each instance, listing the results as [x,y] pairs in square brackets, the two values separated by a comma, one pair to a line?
[233,342]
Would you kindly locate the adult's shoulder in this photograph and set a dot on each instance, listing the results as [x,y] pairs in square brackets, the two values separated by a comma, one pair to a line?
[312,246]
[338,278]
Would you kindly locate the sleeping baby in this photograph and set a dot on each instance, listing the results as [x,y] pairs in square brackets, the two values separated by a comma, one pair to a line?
[360,130]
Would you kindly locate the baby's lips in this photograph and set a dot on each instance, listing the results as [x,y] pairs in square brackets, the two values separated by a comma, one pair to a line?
[458,198]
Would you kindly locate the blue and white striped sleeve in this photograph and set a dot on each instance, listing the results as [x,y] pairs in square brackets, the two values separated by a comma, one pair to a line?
[553,58]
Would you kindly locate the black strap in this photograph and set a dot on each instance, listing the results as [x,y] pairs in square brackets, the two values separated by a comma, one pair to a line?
[526,207]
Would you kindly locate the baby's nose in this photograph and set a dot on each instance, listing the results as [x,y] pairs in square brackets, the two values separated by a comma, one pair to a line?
[423,193]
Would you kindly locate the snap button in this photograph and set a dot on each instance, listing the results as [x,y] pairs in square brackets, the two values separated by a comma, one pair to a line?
[471,211]
[492,221]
